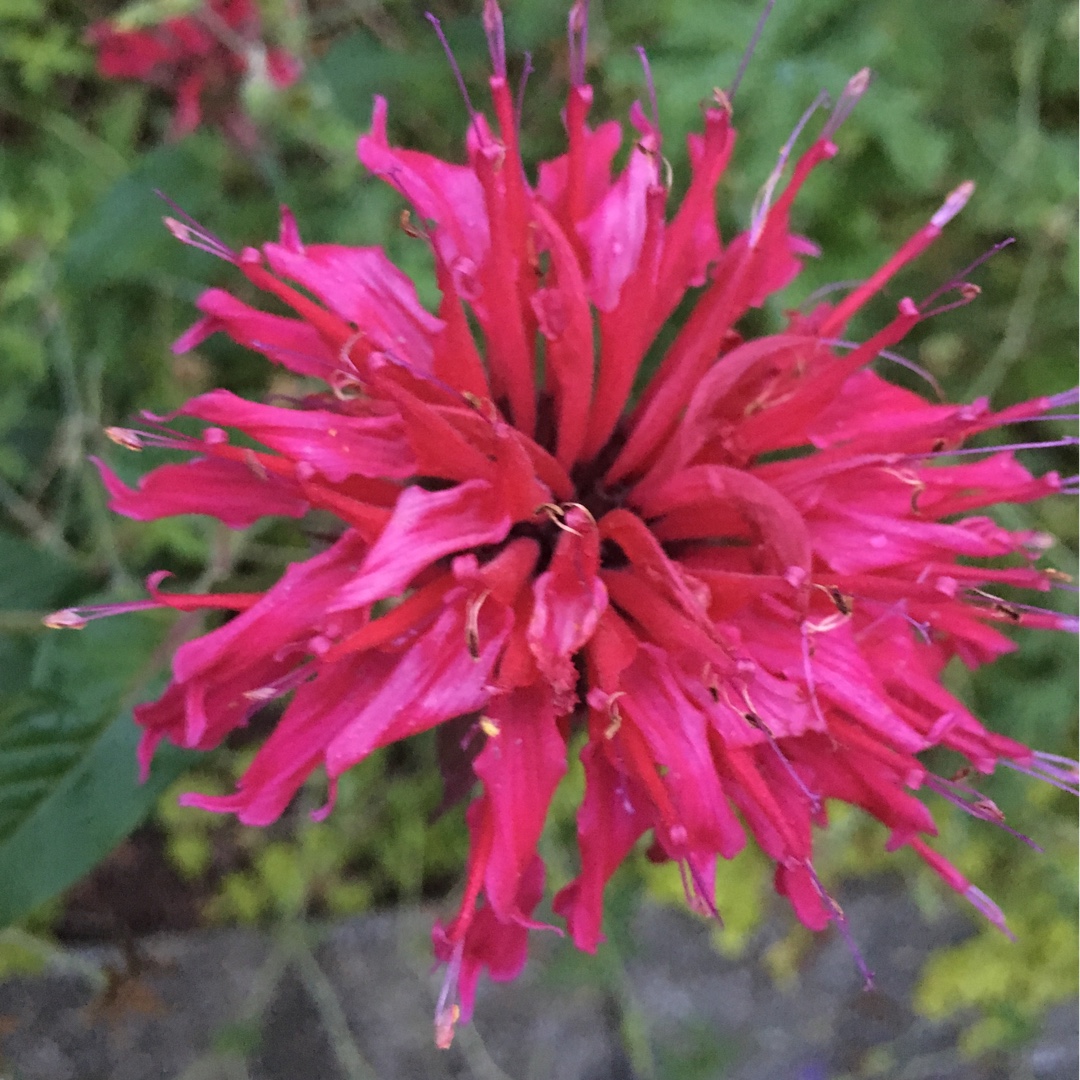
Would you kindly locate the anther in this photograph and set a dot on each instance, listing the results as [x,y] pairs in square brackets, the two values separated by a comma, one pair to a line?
[845,105]
[956,201]
[125,437]
[577,30]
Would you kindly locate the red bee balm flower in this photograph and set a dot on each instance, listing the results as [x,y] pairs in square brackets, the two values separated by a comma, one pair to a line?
[733,595]
[201,59]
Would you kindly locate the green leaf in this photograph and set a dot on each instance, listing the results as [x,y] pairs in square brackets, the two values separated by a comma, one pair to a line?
[69,786]
[32,577]
[123,237]
[92,801]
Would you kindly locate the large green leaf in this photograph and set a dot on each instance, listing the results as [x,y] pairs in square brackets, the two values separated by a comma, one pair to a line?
[69,786]
[73,799]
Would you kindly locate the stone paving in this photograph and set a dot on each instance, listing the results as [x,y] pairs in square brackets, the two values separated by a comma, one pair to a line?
[354,1001]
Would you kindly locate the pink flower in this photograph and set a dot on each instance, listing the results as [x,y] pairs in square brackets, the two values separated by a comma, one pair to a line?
[202,60]
[734,595]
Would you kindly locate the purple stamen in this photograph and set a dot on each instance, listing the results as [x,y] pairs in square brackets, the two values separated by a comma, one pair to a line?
[1067,440]
[577,29]
[1060,772]
[453,63]
[760,210]
[640,50]
[696,894]
[1066,397]
[958,280]
[447,1011]
[1013,605]
[985,906]
[975,803]
[811,797]
[840,919]
[896,358]
[750,49]
[526,71]
[968,293]
[496,36]
[899,608]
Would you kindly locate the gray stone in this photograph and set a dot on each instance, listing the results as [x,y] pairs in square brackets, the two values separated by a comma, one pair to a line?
[354,1001]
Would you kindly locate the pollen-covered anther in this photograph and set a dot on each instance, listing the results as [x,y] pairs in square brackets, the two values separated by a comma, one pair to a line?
[489,727]
[68,619]
[261,694]
[722,100]
[445,1024]
[557,514]
[953,204]
[615,721]
[126,437]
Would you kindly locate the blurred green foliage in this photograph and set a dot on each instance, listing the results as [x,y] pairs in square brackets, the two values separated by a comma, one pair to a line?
[93,289]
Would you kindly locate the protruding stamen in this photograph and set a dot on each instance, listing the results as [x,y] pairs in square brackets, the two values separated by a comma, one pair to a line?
[447,1010]
[577,30]
[1067,440]
[896,358]
[959,281]
[452,61]
[968,292]
[840,919]
[985,906]
[125,437]
[749,51]
[845,105]
[130,439]
[899,608]
[756,722]
[640,50]
[975,803]
[1066,397]
[76,618]
[193,234]
[526,71]
[496,36]
[1057,771]
[762,203]
[1016,610]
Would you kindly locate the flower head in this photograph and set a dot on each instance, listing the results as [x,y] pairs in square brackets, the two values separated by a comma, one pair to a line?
[733,595]
[202,60]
